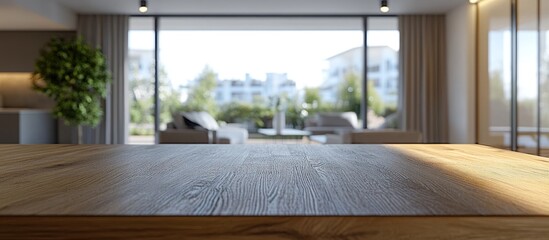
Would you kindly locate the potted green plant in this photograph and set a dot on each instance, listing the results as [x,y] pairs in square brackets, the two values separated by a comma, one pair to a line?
[75,76]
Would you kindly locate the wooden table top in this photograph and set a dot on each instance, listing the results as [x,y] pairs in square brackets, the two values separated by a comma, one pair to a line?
[271,180]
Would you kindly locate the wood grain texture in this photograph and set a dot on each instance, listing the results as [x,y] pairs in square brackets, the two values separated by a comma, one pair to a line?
[394,180]
[267,228]
[332,192]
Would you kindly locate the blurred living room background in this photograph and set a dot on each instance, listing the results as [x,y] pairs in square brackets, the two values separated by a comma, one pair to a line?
[244,70]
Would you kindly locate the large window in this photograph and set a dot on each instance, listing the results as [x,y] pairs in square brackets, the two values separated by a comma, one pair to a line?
[242,70]
[141,80]
[544,79]
[383,85]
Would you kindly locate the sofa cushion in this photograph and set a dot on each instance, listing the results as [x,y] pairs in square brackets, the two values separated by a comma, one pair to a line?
[234,134]
[197,120]
[178,122]
[342,119]
[189,121]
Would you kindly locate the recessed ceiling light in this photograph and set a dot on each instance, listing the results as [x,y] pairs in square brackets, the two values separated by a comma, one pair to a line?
[473,1]
[384,6]
[143,6]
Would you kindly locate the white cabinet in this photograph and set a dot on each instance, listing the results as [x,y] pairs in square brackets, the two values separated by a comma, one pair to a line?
[27,126]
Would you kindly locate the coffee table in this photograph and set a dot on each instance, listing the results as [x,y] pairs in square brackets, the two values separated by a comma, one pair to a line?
[287,133]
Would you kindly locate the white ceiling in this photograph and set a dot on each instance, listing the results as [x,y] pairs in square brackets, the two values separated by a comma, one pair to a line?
[60,14]
[260,6]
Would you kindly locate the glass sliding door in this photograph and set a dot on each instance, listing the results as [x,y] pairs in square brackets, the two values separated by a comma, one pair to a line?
[141,80]
[527,76]
[544,77]
[494,79]
[531,62]
[242,70]
[383,72]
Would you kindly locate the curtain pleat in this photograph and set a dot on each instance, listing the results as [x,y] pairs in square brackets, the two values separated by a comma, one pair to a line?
[110,34]
[423,76]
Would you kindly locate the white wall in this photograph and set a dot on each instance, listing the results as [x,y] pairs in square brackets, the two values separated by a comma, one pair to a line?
[35,15]
[20,49]
[461,60]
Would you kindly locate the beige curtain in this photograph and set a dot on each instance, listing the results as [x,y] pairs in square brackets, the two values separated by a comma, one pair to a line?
[423,76]
[110,34]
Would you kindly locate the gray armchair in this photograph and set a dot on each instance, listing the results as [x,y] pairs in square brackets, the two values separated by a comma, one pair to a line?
[331,122]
